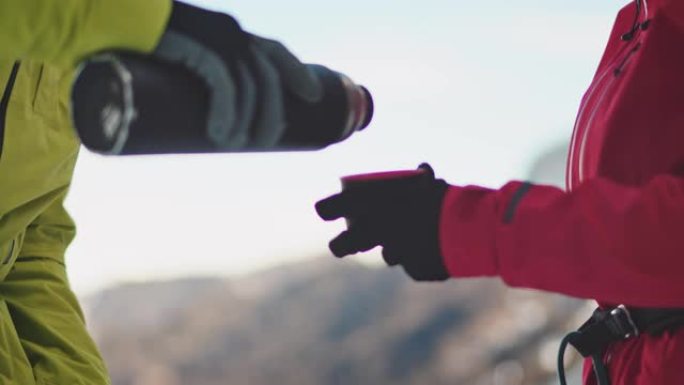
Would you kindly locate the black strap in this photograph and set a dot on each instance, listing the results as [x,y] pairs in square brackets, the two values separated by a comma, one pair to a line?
[608,326]
[603,328]
[657,321]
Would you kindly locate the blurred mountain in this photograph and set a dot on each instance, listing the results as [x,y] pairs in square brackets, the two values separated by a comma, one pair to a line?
[329,322]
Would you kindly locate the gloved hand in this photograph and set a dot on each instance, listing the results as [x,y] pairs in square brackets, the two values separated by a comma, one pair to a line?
[398,211]
[247,75]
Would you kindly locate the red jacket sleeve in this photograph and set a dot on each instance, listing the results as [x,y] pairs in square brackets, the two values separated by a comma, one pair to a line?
[609,242]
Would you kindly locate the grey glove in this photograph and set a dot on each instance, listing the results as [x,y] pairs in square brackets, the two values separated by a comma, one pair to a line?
[248,76]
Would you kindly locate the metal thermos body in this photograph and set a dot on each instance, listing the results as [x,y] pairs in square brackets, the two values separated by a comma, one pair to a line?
[131,104]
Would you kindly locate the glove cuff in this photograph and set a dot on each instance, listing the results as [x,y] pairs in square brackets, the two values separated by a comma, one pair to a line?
[432,266]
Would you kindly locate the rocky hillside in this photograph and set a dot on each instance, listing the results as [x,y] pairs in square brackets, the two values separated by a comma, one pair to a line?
[329,322]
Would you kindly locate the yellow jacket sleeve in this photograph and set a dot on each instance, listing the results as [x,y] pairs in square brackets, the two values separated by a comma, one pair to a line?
[44,310]
[63,32]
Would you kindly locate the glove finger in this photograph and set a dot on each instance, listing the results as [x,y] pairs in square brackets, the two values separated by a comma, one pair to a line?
[268,124]
[428,169]
[297,76]
[177,48]
[390,256]
[246,102]
[333,207]
[351,242]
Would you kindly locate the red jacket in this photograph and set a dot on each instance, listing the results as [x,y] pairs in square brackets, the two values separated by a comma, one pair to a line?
[617,234]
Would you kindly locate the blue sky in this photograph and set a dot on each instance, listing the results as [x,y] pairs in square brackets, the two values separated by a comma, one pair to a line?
[477,88]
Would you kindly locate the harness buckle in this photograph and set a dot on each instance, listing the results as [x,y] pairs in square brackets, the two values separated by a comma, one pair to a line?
[620,322]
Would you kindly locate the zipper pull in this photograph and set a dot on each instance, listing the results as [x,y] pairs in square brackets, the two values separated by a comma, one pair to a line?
[629,35]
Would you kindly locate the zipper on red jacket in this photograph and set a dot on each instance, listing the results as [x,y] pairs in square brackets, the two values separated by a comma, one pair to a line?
[602,83]
[614,68]
[615,71]
[4,102]
[597,84]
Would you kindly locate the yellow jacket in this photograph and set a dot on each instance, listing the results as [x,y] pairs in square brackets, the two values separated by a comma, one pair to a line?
[42,334]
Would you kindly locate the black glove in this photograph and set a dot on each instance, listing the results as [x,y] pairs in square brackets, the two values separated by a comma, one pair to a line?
[398,211]
[246,75]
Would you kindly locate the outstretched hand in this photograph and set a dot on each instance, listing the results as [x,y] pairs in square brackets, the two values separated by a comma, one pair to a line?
[398,211]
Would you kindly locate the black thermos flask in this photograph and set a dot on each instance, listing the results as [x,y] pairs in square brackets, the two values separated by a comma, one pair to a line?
[131,104]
